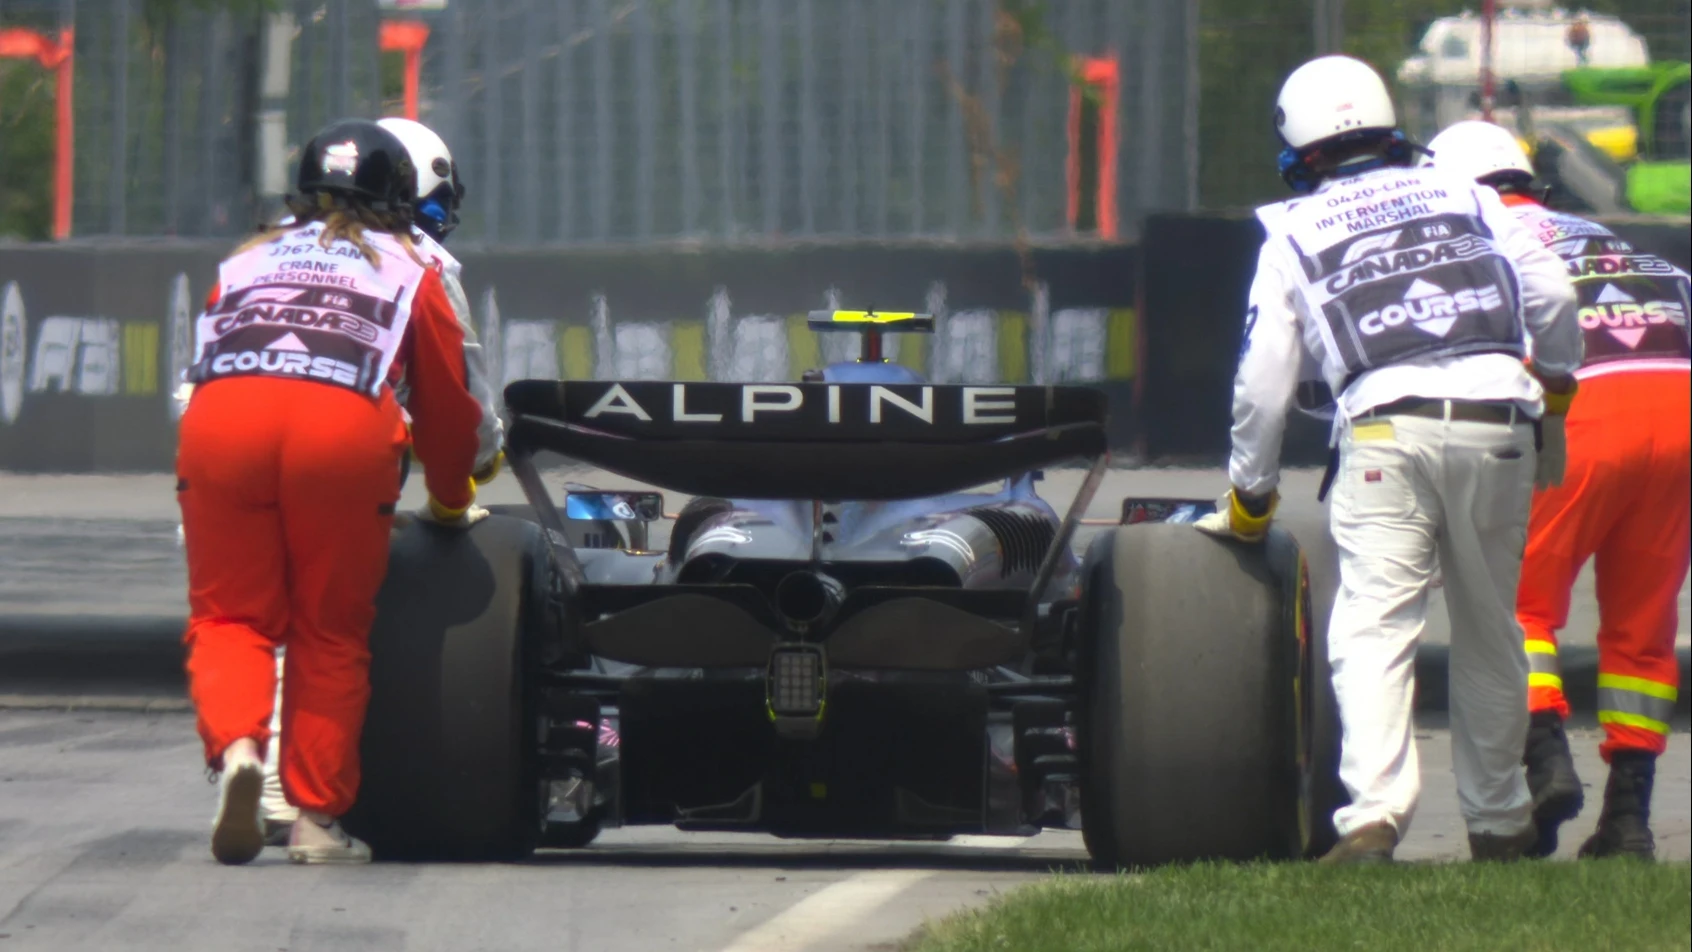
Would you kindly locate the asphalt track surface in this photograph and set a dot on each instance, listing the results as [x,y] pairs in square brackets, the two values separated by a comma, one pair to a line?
[104,831]
[104,814]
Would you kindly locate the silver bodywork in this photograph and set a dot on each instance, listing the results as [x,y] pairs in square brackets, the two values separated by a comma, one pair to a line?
[988,540]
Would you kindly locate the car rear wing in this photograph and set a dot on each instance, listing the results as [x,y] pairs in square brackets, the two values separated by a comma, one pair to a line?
[817,441]
[832,441]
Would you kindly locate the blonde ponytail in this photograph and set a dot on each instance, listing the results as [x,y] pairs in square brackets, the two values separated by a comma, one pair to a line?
[341,221]
[344,225]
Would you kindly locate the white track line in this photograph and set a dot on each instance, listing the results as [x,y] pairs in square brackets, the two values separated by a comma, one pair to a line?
[828,912]
[982,842]
[838,907]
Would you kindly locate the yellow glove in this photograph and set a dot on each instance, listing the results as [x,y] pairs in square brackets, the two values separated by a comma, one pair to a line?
[445,515]
[1558,404]
[1558,401]
[1233,520]
[487,473]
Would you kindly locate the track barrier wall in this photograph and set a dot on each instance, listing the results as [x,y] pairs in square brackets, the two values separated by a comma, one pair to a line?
[93,337]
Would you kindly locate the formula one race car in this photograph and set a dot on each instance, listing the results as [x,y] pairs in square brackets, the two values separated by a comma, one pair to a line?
[844,636]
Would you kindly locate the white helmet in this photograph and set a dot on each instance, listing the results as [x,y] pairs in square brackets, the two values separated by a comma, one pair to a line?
[438,188]
[1475,150]
[1330,96]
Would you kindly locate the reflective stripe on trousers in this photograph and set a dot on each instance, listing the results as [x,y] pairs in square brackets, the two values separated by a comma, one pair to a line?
[1544,671]
[1635,702]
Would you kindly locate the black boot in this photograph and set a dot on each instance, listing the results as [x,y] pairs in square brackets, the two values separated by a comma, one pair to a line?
[1551,777]
[1624,828]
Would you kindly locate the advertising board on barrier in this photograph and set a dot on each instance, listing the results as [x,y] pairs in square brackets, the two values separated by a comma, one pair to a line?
[94,344]
[86,354]
[980,345]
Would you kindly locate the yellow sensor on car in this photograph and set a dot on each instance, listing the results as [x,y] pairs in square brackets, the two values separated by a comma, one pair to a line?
[854,320]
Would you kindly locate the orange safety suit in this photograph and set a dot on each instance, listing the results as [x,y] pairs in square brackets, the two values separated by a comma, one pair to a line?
[1625,493]
[288,474]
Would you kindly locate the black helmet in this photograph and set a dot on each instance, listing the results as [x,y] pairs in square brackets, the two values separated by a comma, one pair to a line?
[359,160]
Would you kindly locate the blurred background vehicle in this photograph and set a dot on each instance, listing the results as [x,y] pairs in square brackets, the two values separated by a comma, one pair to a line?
[1605,122]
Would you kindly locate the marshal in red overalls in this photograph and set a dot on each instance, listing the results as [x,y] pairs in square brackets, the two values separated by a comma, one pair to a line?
[288,469]
[1627,488]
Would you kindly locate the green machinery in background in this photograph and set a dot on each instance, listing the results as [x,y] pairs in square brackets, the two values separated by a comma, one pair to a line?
[1648,164]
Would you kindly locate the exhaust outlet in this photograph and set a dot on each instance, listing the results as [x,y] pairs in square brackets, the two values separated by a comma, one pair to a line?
[804,599]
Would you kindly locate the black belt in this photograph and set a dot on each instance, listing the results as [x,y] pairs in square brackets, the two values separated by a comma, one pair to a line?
[1468,411]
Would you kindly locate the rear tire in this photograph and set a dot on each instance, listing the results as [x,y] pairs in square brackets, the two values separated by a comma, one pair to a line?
[448,765]
[1189,712]
[1321,791]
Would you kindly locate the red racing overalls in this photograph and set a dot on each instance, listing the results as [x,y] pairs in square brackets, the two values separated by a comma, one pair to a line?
[1625,494]
[288,475]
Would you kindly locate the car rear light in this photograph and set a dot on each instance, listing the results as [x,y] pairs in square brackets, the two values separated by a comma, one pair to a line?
[796,688]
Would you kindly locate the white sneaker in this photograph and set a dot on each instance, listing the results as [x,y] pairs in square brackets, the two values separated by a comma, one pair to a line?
[314,841]
[237,833]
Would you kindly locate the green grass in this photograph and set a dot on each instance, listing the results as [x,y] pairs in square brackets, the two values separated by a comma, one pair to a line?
[1450,907]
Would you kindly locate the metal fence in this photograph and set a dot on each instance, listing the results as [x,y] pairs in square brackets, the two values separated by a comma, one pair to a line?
[605,120]
[636,120]
[615,121]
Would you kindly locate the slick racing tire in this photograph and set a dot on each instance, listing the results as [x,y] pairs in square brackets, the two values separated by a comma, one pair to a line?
[1189,703]
[448,765]
[1319,732]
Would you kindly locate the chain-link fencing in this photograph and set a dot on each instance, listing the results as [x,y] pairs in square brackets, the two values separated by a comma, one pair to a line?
[637,120]
[628,121]
[624,121]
